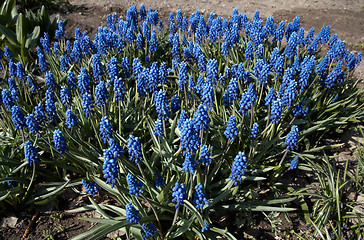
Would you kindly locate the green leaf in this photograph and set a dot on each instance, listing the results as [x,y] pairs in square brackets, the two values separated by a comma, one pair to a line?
[194,211]
[32,38]
[6,10]
[21,27]
[181,230]
[10,35]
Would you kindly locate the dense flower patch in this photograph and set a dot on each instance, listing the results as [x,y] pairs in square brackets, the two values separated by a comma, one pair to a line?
[174,122]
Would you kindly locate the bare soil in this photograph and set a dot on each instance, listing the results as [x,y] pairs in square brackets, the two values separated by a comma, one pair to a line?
[346,18]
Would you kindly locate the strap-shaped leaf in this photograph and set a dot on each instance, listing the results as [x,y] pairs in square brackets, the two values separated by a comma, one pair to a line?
[10,35]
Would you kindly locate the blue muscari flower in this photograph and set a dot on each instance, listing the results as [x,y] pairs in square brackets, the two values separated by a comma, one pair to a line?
[179,18]
[261,71]
[259,51]
[190,139]
[7,99]
[274,57]
[292,138]
[105,129]
[294,162]
[200,83]
[153,77]
[76,52]
[301,36]
[142,12]
[238,168]
[59,141]
[312,48]
[184,24]
[65,96]
[200,197]
[182,76]
[161,104]
[307,68]
[134,185]
[119,89]
[135,149]
[86,44]
[87,105]
[143,80]
[299,111]
[175,46]
[191,83]
[279,33]
[182,119]
[63,64]
[231,130]
[112,68]
[214,31]
[287,78]
[32,123]
[125,67]
[18,117]
[15,95]
[111,21]
[205,155]
[153,46]
[12,68]
[279,66]
[158,128]
[71,119]
[291,48]
[249,51]
[45,43]
[132,214]
[137,67]
[101,94]
[254,131]
[201,118]
[20,72]
[309,36]
[159,181]
[207,95]
[212,71]
[33,86]
[334,75]
[8,54]
[31,153]
[189,164]
[206,226]
[39,113]
[97,67]
[179,194]
[115,148]
[50,106]
[110,167]
[276,110]
[290,94]
[175,103]
[91,188]
[139,41]
[163,73]
[84,81]
[60,34]
[68,46]
[56,49]
[12,86]
[201,63]
[43,65]
[148,230]
[247,100]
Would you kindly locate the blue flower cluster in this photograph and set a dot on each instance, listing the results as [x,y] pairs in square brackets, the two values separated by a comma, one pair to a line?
[238,168]
[134,149]
[292,138]
[158,128]
[59,141]
[132,215]
[189,165]
[231,130]
[179,194]
[161,104]
[134,185]
[31,153]
[91,188]
[105,129]
[254,131]
[294,162]
[110,167]
[148,230]
[199,198]
[205,155]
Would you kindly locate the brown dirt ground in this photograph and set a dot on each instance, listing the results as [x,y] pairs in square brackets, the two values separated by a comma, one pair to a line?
[345,16]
